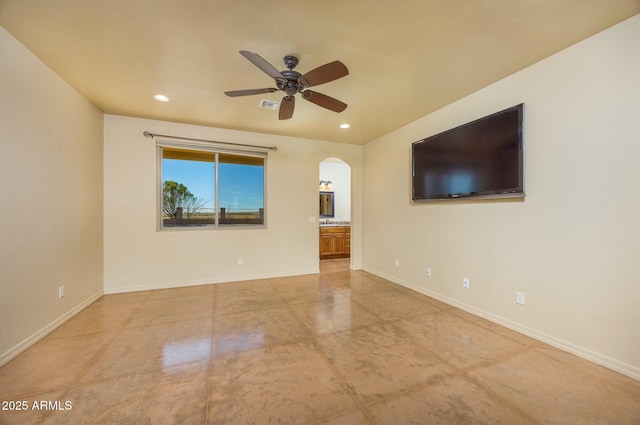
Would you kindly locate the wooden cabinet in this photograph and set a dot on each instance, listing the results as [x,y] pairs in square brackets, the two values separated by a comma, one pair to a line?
[335,241]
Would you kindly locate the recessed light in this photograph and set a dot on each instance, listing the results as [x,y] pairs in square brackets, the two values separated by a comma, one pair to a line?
[161,97]
[344,125]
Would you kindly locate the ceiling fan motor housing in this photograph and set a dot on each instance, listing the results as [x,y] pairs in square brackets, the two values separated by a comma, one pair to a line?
[292,86]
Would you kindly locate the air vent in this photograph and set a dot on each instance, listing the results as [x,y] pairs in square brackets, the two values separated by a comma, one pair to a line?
[269,104]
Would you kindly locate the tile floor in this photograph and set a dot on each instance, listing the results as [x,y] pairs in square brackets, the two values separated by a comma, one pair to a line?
[341,347]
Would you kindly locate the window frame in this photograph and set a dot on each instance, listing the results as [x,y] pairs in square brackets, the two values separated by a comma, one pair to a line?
[216,149]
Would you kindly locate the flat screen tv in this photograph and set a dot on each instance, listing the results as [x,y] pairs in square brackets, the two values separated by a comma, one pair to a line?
[480,159]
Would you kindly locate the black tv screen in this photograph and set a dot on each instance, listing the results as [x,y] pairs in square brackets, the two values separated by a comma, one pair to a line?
[483,158]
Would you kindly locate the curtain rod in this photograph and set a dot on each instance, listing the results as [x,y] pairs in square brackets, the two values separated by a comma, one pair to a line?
[148,134]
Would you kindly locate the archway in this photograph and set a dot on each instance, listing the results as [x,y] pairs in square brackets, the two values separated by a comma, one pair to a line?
[335,208]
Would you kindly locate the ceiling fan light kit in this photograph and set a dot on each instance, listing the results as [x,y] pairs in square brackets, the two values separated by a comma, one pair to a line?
[292,82]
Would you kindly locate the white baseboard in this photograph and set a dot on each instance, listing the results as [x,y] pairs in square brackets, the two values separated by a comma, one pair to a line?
[28,342]
[182,284]
[585,353]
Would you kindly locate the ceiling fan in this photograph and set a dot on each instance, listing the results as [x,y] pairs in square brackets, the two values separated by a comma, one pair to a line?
[292,82]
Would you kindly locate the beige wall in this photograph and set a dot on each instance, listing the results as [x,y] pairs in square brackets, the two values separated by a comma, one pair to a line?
[572,246]
[50,199]
[139,257]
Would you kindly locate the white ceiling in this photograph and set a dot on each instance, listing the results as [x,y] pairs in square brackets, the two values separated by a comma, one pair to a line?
[406,58]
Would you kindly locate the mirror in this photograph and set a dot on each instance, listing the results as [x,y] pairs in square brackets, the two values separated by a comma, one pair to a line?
[326,204]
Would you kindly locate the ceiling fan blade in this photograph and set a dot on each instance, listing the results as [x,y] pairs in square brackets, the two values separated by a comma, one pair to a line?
[265,66]
[323,74]
[236,93]
[324,100]
[286,107]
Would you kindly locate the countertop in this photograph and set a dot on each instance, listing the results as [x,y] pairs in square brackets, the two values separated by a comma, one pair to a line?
[336,224]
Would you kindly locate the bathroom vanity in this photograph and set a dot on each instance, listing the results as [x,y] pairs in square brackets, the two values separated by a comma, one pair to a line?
[335,241]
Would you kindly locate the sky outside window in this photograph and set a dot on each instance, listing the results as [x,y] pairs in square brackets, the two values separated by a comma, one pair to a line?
[241,187]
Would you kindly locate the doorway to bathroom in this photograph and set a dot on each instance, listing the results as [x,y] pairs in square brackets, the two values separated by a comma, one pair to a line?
[334,200]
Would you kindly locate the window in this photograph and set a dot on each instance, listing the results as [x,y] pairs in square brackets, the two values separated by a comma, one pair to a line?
[203,185]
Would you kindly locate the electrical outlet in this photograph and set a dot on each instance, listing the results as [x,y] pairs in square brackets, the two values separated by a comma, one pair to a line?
[240,261]
[465,282]
[520,298]
[397,262]
[61,291]
[428,272]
